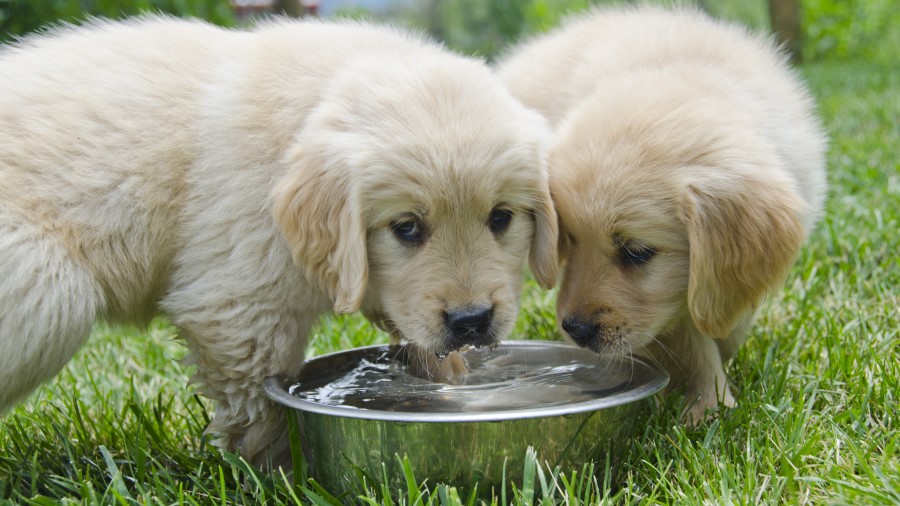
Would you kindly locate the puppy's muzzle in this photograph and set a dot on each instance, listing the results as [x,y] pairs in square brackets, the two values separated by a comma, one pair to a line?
[469,325]
[584,332]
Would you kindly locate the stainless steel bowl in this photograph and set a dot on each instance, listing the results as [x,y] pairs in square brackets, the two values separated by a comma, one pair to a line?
[466,434]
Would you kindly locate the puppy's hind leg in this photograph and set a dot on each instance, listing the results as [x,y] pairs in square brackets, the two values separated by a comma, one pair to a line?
[48,304]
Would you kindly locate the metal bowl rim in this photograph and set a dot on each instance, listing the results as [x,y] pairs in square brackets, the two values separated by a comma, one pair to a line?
[274,390]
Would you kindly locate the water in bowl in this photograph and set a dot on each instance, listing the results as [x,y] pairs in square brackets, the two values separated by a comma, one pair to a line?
[502,379]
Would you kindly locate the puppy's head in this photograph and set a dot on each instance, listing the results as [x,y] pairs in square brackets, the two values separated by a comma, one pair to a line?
[672,213]
[415,193]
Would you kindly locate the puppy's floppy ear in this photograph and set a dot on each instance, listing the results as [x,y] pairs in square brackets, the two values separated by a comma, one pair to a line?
[744,236]
[543,257]
[318,212]
[563,244]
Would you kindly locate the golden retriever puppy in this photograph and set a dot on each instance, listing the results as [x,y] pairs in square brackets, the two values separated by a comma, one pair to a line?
[687,170]
[245,182]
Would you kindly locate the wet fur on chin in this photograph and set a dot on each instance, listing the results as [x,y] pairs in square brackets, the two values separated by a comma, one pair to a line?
[688,169]
[243,184]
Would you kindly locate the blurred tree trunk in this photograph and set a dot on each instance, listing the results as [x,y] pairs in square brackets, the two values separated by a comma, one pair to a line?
[785,18]
[435,23]
[293,8]
[704,6]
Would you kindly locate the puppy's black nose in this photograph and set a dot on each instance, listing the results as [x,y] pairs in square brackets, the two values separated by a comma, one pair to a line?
[469,325]
[582,331]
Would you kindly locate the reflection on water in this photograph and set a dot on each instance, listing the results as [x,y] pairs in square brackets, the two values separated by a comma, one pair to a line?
[505,378]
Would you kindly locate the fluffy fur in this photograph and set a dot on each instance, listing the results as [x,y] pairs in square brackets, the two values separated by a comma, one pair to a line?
[243,183]
[687,170]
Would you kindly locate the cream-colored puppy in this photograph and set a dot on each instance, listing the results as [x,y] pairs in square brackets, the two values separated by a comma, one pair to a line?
[687,171]
[243,183]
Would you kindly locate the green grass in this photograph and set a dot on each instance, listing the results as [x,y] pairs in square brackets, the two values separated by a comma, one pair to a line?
[817,383]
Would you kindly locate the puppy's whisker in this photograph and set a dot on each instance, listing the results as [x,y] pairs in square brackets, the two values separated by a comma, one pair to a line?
[668,351]
[605,361]
[399,352]
[631,356]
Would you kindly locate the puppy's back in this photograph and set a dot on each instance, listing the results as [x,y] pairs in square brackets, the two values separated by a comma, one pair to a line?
[602,50]
[606,42]
[108,98]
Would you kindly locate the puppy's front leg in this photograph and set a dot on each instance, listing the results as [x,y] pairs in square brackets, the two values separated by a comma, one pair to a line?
[694,360]
[236,347]
[707,388]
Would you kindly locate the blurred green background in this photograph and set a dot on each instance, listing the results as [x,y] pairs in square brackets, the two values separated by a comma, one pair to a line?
[829,29]
[817,420]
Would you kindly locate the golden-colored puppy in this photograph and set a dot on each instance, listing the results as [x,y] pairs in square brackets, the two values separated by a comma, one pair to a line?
[687,170]
[244,183]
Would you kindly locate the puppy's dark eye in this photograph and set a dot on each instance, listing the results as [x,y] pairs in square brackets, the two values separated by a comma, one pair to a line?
[635,254]
[409,229]
[500,220]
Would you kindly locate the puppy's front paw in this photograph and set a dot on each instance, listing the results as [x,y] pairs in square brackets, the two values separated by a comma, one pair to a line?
[703,407]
